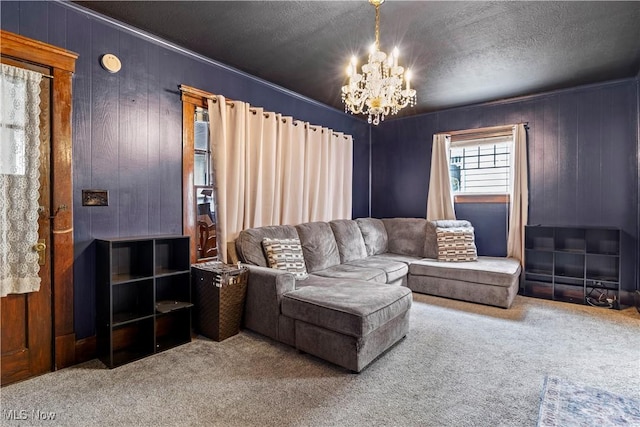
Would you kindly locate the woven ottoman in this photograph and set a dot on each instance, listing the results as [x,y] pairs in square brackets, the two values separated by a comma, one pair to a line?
[351,324]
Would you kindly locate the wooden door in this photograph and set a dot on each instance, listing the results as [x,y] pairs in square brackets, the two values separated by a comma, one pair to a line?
[54,302]
[26,319]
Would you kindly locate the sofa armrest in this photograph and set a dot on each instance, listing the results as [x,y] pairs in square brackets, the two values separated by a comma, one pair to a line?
[265,288]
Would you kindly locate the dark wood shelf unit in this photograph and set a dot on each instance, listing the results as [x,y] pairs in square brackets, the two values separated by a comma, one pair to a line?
[133,276]
[576,264]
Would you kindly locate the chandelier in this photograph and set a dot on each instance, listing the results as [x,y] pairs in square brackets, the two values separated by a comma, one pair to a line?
[377,90]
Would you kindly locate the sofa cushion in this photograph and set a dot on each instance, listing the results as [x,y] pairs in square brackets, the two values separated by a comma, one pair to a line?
[314,280]
[431,241]
[353,308]
[318,245]
[347,271]
[286,254]
[406,236]
[488,270]
[374,235]
[407,259]
[393,269]
[456,244]
[249,242]
[349,240]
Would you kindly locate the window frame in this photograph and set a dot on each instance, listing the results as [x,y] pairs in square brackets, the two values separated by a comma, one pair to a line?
[192,99]
[478,134]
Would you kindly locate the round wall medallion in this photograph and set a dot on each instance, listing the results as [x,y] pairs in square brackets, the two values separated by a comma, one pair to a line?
[110,62]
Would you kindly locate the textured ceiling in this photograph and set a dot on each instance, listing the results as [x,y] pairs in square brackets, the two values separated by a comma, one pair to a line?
[460,52]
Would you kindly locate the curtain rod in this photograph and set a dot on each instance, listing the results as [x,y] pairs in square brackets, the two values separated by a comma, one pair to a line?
[207,95]
[12,59]
[484,129]
[202,94]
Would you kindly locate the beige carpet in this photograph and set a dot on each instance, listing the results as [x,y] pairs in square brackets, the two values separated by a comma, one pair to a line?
[461,365]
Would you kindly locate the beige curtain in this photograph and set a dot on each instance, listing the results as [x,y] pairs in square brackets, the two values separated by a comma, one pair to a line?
[440,198]
[229,165]
[518,212]
[273,170]
[19,179]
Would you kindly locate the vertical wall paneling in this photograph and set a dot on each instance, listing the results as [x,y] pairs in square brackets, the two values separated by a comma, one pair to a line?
[617,164]
[57,24]
[567,156]
[361,170]
[400,165]
[10,17]
[536,165]
[490,221]
[583,160]
[78,29]
[170,143]
[104,131]
[589,171]
[550,161]
[153,137]
[34,20]
[133,167]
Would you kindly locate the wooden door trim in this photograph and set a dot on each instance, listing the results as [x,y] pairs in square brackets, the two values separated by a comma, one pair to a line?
[62,64]
[188,197]
[37,52]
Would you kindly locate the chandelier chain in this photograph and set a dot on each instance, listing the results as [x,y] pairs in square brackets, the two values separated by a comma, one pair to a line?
[377,26]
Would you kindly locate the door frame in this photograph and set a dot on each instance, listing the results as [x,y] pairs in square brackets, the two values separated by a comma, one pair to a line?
[61,62]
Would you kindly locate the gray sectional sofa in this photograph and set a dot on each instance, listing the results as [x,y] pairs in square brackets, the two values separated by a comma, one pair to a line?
[355,303]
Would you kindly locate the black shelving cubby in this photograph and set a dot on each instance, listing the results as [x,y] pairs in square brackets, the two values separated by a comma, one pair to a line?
[574,264]
[135,276]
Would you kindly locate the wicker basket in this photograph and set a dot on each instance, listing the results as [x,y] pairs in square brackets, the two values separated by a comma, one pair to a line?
[219,293]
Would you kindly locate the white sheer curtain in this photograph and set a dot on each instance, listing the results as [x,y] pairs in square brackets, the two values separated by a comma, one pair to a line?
[518,212]
[19,179]
[272,170]
[440,197]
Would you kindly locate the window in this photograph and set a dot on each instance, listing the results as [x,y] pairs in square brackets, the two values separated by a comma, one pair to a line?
[202,159]
[480,166]
[199,198]
[203,186]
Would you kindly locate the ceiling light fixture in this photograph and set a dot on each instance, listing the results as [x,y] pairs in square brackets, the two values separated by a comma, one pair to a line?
[377,91]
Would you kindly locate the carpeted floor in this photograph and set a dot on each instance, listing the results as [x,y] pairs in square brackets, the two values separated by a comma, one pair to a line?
[461,365]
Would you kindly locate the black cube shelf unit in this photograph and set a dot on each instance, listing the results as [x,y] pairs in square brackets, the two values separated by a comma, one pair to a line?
[143,296]
[575,264]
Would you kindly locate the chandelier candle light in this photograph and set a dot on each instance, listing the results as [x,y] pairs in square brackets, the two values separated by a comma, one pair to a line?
[377,91]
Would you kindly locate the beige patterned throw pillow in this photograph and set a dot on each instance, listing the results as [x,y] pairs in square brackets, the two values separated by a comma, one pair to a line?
[286,254]
[456,244]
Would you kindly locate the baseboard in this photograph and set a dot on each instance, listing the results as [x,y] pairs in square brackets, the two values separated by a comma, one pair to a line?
[86,349]
[65,351]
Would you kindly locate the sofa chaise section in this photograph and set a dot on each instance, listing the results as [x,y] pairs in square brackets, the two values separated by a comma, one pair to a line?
[489,280]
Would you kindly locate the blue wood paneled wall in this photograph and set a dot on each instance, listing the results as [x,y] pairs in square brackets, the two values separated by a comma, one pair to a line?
[127,129]
[583,159]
